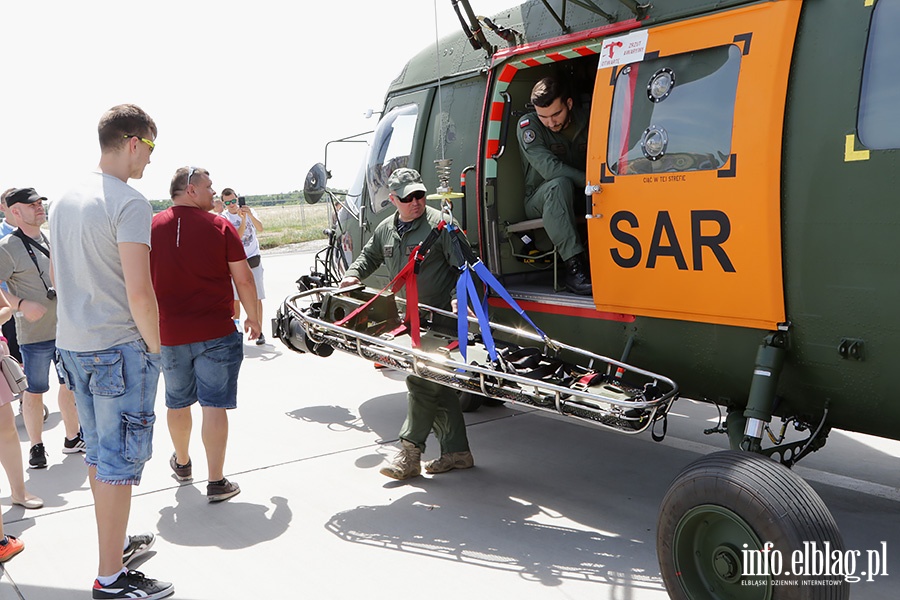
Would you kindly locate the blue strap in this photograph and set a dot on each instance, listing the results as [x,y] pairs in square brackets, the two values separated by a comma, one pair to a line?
[488,278]
[465,287]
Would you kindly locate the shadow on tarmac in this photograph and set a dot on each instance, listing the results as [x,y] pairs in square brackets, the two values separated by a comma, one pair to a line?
[526,507]
[228,525]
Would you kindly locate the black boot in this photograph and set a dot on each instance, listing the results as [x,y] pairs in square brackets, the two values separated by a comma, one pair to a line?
[578,279]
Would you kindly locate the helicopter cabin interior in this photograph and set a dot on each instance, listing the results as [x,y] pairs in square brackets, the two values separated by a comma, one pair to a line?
[687,156]
[534,275]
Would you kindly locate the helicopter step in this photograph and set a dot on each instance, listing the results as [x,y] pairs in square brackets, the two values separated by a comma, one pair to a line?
[525,368]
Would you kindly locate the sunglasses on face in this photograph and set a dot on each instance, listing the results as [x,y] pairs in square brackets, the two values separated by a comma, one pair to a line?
[150,143]
[229,202]
[417,195]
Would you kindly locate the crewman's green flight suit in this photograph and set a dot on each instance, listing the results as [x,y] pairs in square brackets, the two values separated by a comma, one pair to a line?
[430,406]
[554,165]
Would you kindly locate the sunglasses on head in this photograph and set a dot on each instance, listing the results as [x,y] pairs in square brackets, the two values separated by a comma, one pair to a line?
[417,195]
[191,171]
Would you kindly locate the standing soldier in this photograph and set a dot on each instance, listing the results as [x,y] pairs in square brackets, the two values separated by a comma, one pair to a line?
[430,406]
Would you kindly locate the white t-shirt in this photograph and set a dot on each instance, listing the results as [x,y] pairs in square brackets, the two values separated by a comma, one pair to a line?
[249,239]
[87,224]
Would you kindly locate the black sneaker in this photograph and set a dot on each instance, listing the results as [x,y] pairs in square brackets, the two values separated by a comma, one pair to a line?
[137,545]
[260,340]
[73,446]
[182,472]
[38,457]
[133,584]
[216,491]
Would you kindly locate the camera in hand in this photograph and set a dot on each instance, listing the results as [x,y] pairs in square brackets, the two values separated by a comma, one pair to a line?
[242,201]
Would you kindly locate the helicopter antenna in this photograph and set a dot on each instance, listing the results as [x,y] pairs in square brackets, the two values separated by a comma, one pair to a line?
[437,53]
[442,166]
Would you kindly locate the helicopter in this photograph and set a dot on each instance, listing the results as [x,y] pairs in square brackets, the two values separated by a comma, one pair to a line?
[738,217]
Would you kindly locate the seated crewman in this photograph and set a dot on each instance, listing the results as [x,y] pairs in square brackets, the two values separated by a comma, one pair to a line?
[553,143]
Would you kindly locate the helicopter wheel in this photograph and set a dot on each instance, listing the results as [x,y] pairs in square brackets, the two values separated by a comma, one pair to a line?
[727,503]
[470,402]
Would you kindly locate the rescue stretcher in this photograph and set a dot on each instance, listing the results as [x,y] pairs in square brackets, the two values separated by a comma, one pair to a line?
[525,367]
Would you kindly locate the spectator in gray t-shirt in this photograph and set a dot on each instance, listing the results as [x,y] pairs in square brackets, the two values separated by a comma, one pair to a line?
[108,335]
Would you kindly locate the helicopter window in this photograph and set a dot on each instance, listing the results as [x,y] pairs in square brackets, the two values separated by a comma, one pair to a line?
[878,126]
[674,113]
[390,150]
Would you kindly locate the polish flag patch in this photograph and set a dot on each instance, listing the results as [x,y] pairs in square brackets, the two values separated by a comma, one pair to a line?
[524,123]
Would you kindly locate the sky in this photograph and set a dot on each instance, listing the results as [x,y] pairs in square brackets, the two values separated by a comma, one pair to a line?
[251,91]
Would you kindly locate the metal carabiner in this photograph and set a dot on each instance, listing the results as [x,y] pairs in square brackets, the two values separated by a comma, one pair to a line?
[447,211]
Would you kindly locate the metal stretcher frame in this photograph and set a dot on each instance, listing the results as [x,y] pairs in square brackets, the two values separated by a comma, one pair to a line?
[610,403]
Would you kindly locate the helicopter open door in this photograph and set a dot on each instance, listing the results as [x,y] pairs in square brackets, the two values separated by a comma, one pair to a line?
[687,153]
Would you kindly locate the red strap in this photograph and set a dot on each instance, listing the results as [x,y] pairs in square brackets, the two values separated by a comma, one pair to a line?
[407,277]
[588,379]
[398,331]
[412,301]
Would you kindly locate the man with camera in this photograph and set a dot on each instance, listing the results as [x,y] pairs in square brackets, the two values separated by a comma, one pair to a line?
[25,267]
[247,224]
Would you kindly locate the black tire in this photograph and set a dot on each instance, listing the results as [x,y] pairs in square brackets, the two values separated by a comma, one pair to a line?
[470,402]
[727,499]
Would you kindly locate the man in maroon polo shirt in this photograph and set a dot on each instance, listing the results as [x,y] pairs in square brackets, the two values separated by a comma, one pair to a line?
[195,255]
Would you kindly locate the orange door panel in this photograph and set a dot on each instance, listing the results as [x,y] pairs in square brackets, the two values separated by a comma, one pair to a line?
[686,145]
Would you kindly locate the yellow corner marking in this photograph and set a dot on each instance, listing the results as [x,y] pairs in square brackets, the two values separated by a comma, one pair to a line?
[850,152]
[869,3]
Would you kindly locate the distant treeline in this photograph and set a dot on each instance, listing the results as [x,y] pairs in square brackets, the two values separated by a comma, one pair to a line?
[295,197]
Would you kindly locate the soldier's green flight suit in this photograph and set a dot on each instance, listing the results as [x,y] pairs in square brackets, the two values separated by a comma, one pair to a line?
[554,165]
[429,405]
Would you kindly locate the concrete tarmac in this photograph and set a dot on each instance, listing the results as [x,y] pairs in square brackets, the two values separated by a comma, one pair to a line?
[553,509]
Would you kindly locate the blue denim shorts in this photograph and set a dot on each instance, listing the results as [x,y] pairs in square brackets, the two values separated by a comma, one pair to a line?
[115,390]
[36,359]
[203,371]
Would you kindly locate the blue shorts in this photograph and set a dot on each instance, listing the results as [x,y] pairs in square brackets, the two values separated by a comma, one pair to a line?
[115,390]
[36,359]
[203,371]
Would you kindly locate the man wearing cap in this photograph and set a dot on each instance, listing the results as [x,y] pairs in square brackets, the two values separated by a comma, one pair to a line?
[25,267]
[195,257]
[553,144]
[430,406]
